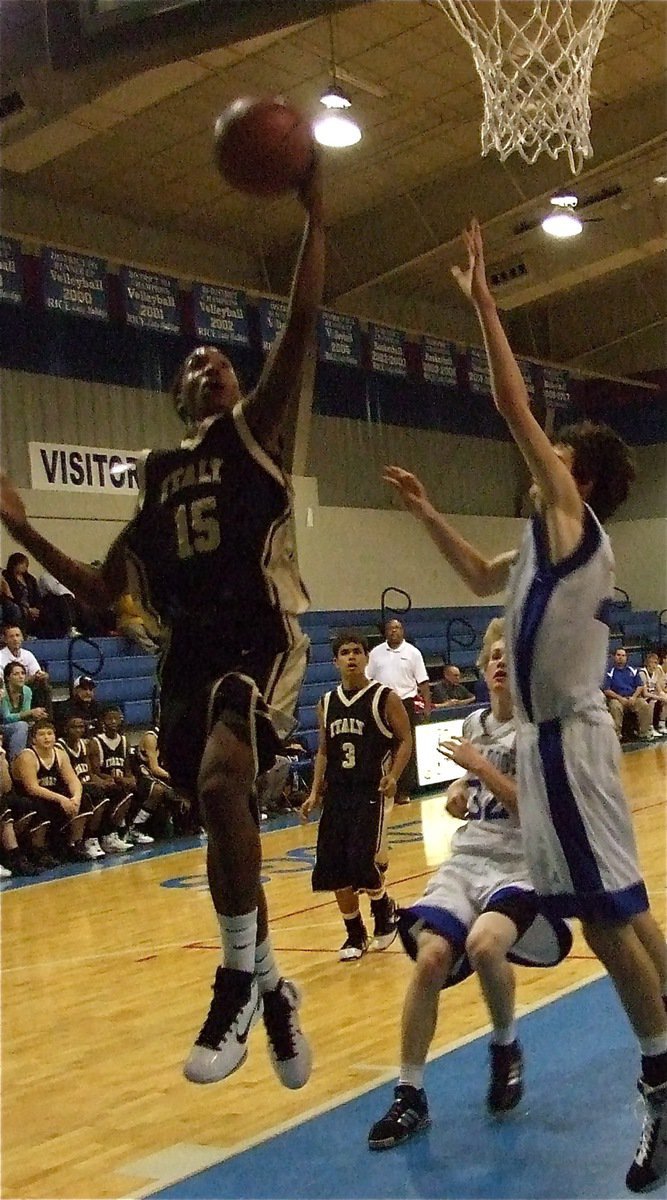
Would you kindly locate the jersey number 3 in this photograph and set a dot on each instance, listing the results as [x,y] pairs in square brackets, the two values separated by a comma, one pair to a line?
[197,528]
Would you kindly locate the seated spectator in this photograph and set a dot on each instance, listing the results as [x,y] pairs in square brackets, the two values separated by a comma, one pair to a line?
[624,691]
[44,775]
[82,703]
[93,799]
[17,709]
[10,613]
[153,791]
[16,818]
[23,589]
[450,692]
[654,678]
[111,769]
[37,679]
[130,624]
[60,613]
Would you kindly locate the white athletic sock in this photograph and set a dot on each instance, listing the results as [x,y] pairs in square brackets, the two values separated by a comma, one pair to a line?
[266,968]
[412,1073]
[239,935]
[652,1046]
[505,1036]
[141,817]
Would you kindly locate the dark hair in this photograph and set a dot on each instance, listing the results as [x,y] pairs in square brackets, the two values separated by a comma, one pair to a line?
[388,621]
[15,559]
[348,635]
[602,458]
[11,625]
[43,723]
[6,671]
[111,708]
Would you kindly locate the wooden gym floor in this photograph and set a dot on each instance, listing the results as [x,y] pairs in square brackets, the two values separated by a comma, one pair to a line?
[105,982]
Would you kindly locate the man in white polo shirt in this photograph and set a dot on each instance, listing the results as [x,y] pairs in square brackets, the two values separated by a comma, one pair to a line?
[37,679]
[400,665]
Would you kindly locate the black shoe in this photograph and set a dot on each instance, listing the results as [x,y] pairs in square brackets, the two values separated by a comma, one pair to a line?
[356,942]
[649,1166]
[222,1044]
[506,1086]
[385,927]
[20,865]
[45,861]
[74,854]
[289,1051]
[407,1116]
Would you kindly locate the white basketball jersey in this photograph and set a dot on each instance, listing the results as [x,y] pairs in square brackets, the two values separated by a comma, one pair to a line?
[490,829]
[556,634]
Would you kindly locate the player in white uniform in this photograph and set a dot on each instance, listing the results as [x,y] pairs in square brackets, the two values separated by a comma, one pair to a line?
[478,910]
[577,834]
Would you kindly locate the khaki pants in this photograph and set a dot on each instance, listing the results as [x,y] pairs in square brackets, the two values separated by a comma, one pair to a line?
[641,707]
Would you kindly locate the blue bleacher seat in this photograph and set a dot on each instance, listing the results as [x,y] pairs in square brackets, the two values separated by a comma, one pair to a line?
[120,690]
[138,713]
[308,717]
[127,667]
[323,673]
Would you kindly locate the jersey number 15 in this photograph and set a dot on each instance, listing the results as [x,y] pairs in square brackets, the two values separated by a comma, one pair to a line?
[197,527]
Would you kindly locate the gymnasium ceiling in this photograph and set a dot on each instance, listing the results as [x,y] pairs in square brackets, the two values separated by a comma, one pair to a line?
[130,134]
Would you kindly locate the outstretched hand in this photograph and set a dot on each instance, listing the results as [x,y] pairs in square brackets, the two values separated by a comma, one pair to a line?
[12,508]
[409,487]
[472,279]
[310,192]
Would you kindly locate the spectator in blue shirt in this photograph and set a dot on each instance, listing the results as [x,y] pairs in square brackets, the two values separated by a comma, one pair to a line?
[624,690]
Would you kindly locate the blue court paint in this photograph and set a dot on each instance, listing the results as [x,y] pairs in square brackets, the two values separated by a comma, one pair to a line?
[573,1135]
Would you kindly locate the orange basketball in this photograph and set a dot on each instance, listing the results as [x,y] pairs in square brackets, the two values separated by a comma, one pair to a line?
[264,147]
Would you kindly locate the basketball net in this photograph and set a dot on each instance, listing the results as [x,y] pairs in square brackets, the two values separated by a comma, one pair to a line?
[535,72]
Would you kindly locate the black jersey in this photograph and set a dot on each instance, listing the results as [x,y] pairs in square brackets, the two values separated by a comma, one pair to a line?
[78,758]
[358,737]
[211,550]
[113,753]
[47,776]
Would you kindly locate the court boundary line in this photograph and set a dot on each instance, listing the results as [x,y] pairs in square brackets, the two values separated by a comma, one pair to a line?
[353,1094]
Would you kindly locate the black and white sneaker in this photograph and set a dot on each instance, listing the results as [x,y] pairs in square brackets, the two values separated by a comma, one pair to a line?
[354,947]
[506,1084]
[222,1045]
[407,1116]
[385,928]
[649,1166]
[289,1051]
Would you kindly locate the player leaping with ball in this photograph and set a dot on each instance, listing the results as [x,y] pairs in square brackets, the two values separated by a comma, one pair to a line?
[576,827]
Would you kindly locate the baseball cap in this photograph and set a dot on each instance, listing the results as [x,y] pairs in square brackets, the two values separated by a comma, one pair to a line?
[84,681]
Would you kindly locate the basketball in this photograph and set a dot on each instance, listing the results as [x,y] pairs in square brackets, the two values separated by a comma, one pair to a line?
[264,147]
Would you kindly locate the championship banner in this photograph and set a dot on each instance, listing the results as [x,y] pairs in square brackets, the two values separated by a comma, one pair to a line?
[439,361]
[479,376]
[272,320]
[555,388]
[75,283]
[61,468]
[151,301]
[387,350]
[220,314]
[11,271]
[338,338]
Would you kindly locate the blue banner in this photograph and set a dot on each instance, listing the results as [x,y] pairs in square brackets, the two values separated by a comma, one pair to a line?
[479,376]
[151,301]
[387,350]
[338,338]
[220,314]
[439,361]
[75,283]
[555,388]
[272,320]
[11,270]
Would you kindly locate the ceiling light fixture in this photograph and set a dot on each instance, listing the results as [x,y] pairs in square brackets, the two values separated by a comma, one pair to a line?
[335,129]
[563,223]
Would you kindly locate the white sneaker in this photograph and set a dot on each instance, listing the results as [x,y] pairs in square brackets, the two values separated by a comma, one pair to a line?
[138,838]
[662,729]
[93,849]
[222,1045]
[111,843]
[290,1054]
[5,872]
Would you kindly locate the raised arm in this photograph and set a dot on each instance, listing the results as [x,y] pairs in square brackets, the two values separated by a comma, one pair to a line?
[556,484]
[266,407]
[95,586]
[484,576]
